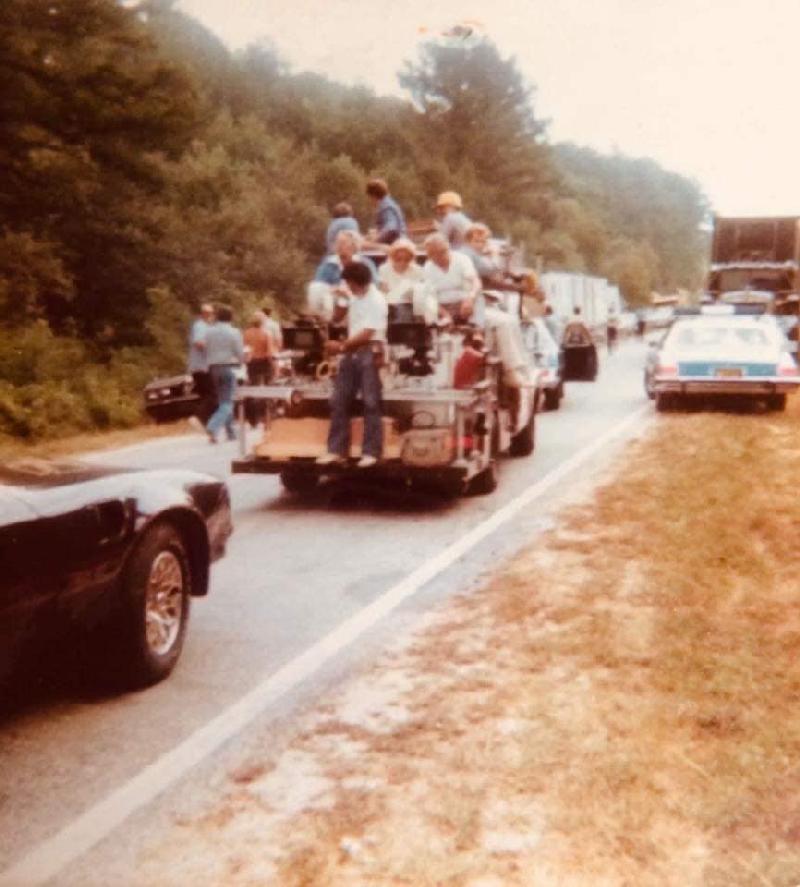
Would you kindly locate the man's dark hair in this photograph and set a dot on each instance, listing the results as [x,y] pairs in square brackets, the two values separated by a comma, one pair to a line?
[267,310]
[342,210]
[576,309]
[224,313]
[377,188]
[358,273]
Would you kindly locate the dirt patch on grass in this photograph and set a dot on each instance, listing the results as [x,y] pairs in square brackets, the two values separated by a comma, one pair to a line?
[617,706]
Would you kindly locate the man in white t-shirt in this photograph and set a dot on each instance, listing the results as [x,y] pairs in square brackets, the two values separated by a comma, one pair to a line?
[367,319]
[451,277]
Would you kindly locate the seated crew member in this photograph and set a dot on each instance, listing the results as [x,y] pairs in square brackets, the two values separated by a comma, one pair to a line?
[399,274]
[451,277]
[390,223]
[346,249]
[453,222]
[490,270]
[367,318]
[342,220]
[476,246]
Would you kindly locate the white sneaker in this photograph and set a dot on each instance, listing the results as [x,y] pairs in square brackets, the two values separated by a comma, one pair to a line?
[366,462]
[330,459]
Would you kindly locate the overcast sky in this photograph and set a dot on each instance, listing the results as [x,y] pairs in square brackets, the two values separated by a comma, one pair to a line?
[707,89]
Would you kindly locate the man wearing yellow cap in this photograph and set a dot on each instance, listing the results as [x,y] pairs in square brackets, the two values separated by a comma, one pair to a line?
[453,223]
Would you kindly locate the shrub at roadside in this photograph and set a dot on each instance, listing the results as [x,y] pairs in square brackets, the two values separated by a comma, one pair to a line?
[52,386]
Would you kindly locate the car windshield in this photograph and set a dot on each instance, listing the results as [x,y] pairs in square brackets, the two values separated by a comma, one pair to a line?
[689,336]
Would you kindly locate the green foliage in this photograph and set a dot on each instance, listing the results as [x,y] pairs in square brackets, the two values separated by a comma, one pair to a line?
[33,279]
[52,385]
[658,212]
[145,169]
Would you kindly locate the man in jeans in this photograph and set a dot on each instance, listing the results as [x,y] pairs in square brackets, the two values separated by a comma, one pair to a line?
[367,318]
[197,364]
[225,352]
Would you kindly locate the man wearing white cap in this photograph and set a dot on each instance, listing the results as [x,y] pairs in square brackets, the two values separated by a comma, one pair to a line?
[399,274]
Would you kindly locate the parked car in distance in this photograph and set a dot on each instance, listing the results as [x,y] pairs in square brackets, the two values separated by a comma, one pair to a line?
[112,555]
[170,398]
[549,357]
[717,354]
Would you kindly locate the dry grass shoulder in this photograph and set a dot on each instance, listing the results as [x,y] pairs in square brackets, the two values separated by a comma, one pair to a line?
[617,706]
[81,444]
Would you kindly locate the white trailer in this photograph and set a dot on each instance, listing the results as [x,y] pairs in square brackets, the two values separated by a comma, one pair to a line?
[595,296]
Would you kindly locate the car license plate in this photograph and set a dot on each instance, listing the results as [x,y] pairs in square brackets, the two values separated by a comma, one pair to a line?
[728,373]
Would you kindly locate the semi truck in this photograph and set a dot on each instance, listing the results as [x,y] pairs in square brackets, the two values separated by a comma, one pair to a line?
[756,255]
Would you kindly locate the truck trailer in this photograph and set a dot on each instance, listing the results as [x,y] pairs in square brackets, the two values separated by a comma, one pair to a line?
[757,254]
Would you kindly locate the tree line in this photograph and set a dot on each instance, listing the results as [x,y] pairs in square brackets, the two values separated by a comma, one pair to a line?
[145,168]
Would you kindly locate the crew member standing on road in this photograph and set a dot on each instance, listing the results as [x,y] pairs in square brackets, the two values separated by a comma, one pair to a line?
[611,332]
[367,319]
[197,364]
[390,223]
[576,332]
[453,221]
[258,355]
[273,329]
[258,351]
[225,352]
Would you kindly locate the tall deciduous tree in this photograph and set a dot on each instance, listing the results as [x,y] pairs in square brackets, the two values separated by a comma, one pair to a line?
[85,104]
[478,115]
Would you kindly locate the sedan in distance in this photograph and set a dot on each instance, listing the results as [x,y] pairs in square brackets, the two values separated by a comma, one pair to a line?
[706,356]
[108,557]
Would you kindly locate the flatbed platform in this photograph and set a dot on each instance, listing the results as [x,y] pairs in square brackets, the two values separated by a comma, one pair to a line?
[390,469]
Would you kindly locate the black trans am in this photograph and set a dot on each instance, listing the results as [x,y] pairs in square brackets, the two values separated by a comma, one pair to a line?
[108,554]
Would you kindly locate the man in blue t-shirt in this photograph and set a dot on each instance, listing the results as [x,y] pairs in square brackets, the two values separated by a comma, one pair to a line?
[390,222]
[346,248]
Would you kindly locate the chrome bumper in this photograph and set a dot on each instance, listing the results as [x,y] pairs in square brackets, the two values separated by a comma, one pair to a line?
[710,385]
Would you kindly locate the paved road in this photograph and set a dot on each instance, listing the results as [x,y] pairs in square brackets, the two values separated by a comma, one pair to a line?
[294,572]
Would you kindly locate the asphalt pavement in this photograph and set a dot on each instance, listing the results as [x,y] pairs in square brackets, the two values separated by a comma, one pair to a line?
[298,574]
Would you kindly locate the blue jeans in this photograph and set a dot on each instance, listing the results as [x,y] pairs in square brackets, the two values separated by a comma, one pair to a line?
[357,372]
[224,380]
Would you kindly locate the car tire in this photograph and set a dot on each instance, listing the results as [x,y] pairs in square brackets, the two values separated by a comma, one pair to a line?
[552,398]
[523,443]
[154,607]
[299,483]
[451,489]
[485,482]
[663,402]
[776,402]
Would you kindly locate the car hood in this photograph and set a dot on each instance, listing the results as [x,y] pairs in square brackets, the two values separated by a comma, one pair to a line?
[49,488]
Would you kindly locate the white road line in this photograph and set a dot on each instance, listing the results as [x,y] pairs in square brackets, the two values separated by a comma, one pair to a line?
[51,856]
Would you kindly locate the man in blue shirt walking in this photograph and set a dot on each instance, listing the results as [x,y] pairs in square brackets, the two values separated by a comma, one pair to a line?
[225,353]
[197,364]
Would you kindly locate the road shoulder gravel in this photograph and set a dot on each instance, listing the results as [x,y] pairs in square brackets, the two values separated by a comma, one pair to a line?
[609,708]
